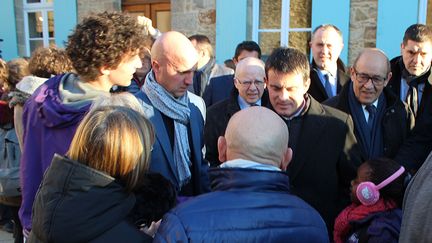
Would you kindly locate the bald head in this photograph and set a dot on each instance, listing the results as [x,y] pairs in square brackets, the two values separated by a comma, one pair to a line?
[174,47]
[251,65]
[374,57]
[174,61]
[257,134]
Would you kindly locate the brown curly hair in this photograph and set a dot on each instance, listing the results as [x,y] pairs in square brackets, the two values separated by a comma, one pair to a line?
[4,72]
[47,61]
[18,69]
[103,40]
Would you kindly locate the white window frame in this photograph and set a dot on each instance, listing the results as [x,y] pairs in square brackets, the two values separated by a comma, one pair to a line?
[44,7]
[422,14]
[285,23]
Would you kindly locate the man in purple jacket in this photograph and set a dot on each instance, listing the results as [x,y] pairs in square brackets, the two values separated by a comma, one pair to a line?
[102,56]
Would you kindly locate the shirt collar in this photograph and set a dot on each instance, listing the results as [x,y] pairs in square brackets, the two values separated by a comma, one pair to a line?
[248,164]
[243,104]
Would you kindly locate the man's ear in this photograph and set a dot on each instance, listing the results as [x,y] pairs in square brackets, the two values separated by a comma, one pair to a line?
[389,75]
[286,159]
[105,71]
[222,149]
[155,66]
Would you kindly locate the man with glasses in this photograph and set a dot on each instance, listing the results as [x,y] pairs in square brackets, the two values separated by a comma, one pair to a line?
[249,91]
[381,120]
[219,88]
[325,152]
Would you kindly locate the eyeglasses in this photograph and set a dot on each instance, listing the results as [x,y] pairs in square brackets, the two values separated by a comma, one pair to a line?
[363,78]
[247,83]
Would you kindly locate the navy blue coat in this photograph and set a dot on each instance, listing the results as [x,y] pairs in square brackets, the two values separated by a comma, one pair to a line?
[162,160]
[218,89]
[246,205]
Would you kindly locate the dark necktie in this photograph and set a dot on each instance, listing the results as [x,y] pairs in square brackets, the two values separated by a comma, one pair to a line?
[372,113]
[412,97]
[327,86]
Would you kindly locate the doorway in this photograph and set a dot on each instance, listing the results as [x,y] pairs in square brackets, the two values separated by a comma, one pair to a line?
[158,11]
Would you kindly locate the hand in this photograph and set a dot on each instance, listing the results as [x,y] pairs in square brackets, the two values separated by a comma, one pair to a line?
[152,229]
[147,24]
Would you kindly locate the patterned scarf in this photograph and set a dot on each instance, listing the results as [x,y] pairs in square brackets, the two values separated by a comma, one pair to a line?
[178,110]
[355,212]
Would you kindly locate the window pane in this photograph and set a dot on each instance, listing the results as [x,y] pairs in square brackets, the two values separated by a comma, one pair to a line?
[268,41]
[35,24]
[52,42]
[163,19]
[35,44]
[33,1]
[300,13]
[429,13]
[300,40]
[270,14]
[51,23]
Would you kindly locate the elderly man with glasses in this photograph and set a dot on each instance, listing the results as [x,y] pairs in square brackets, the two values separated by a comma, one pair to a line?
[249,91]
[381,120]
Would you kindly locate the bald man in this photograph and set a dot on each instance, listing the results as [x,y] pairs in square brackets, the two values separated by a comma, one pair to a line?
[178,123]
[381,121]
[251,199]
[249,91]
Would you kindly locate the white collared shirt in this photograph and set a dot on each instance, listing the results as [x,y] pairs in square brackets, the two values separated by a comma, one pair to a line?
[332,80]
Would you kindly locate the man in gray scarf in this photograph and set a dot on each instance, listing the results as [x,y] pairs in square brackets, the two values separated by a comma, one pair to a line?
[178,123]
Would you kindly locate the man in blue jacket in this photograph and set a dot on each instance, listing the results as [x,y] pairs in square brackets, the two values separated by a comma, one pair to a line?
[178,123]
[251,200]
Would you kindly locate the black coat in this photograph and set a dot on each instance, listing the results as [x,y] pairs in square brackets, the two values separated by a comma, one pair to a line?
[76,203]
[217,119]
[325,160]
[396,124]
[417,147]
[317,89]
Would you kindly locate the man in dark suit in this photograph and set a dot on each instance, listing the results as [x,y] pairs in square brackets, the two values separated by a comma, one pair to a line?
[219,88]
[327,71]
[178,123]
[382,122]
[325,149]
[411,81]
[249,91]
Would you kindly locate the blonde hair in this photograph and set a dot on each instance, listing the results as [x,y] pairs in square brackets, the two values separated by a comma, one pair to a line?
[115,140]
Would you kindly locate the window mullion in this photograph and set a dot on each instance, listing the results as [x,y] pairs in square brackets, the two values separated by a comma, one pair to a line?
[45,33]
[285,22]
[255,20]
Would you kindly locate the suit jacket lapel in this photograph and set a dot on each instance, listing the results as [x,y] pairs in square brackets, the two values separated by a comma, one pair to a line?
[161,133]
[311,126]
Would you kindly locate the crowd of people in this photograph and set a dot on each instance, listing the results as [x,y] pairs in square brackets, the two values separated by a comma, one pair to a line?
[132,135]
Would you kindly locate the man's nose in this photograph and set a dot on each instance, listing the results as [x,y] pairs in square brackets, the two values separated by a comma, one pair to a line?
[189,78]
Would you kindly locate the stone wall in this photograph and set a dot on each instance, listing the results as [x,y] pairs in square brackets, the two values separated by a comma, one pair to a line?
[363,27]
[194,17]
[19,23]
[429,13]
[86,7]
